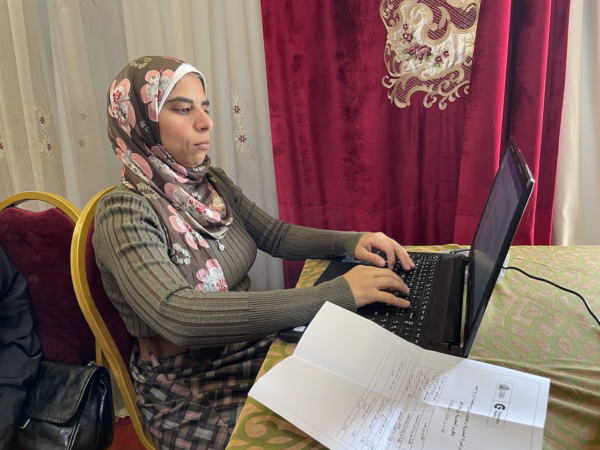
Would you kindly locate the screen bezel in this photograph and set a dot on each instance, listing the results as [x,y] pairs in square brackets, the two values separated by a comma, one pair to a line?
[527,183]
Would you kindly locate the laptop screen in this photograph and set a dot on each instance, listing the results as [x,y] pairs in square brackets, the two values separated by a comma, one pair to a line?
[493,228]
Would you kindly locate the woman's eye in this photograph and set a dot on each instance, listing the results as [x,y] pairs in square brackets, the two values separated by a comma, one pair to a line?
[183,110]
[207,111]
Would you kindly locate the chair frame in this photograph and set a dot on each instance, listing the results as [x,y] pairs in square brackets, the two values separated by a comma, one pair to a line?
[107,353]
[62,204]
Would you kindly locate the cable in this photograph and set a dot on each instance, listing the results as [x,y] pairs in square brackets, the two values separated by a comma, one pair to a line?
[556,286]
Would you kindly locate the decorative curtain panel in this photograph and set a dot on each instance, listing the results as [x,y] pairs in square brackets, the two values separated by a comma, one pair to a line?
[29,155]
[517,90]
[355,149]
[577,209]
[60,56]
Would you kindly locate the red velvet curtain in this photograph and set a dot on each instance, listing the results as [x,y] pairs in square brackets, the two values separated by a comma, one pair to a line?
[346,158]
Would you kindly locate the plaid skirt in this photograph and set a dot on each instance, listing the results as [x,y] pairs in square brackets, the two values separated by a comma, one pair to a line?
[192,400]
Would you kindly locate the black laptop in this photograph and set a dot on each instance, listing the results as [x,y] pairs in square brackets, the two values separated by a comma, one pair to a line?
[440,318]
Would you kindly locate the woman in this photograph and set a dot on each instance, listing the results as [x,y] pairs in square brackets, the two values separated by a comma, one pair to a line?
[175,244]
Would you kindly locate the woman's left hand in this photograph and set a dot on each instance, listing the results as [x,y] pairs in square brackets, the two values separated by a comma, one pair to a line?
[393,250]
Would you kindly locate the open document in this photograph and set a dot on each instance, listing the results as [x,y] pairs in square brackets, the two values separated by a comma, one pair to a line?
[352,385]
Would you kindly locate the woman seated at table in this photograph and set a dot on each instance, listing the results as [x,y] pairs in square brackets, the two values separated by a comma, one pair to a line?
[175,243]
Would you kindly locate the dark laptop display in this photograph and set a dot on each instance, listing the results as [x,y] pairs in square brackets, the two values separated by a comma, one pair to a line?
[497,227]
[434,319]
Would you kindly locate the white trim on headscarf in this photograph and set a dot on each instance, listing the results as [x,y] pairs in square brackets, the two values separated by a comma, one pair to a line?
[182,70]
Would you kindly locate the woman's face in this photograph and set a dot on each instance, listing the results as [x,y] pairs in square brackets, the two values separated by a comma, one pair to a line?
[184,123]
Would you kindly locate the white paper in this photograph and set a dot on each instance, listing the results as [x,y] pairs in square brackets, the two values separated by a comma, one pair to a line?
[352,385]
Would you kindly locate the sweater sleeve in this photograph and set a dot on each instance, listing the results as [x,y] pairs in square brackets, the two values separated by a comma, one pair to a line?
[131,244]
[284,240]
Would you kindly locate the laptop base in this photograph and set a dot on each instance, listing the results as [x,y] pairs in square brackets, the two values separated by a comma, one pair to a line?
[432,321]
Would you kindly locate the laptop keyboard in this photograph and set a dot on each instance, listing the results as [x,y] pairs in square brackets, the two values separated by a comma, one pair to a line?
[408,323]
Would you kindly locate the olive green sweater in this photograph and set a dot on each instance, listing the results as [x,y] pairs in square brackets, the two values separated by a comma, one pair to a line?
[153,298]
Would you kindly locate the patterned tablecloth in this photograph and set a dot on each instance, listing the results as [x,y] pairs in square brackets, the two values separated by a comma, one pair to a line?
[529,326]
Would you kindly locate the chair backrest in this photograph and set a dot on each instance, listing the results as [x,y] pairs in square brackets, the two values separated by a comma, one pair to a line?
[39,244]
[114,341]
[115,325]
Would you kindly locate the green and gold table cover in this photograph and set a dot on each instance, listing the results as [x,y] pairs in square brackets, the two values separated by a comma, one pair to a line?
[529,326]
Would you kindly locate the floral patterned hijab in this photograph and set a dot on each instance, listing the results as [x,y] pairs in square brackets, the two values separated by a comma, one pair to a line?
[187,199]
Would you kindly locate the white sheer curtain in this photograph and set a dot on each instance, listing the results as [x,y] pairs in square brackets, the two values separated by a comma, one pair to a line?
[59,57]
[577,203]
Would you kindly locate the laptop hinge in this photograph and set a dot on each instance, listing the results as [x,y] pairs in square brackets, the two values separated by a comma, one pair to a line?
[453,319]
[456,350]
[443,327]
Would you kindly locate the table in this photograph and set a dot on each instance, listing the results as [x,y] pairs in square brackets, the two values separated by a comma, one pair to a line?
[529,326]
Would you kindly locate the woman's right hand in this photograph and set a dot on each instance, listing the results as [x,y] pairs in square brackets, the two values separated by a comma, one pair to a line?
[367,283]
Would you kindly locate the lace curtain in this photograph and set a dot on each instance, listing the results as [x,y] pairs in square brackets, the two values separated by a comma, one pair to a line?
[59,57]
[577,202]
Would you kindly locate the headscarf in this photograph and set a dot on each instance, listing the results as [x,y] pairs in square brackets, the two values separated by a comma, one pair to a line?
[188,200]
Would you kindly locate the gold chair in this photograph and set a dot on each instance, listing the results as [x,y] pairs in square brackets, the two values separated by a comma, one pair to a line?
[38,244]
[57,201]
[113,342]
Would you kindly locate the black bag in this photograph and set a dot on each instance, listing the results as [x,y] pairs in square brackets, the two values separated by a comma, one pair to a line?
[68,407]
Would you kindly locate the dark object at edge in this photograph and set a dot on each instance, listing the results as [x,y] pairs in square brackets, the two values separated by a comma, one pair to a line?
[69,407]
